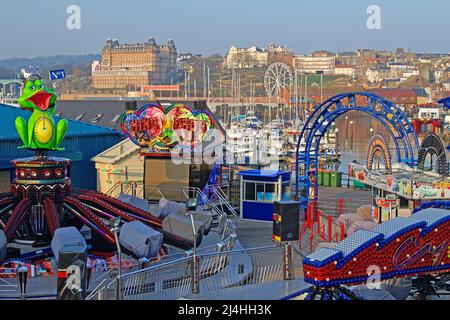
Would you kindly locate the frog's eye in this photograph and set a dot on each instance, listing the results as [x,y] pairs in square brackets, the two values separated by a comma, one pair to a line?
[32,88]
[41,86]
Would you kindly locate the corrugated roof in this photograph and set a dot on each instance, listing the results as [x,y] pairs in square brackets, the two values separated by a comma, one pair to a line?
[8,115]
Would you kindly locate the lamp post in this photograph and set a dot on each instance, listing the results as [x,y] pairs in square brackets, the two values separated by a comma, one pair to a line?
[115,224]
[351,135]
[321,85]
[336,131]
[191,205]
[346,135]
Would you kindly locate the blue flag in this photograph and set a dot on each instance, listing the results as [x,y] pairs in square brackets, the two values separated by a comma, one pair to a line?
[57,74]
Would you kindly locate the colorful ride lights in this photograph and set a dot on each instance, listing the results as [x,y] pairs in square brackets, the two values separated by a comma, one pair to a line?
[397,248]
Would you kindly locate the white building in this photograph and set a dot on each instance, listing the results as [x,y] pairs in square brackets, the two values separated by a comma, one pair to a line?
[345,70]
[315,63]
[377,75]
[246,58]
[438,75]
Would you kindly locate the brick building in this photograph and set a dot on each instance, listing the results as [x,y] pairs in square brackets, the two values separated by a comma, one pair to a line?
[125,66]
[405,97]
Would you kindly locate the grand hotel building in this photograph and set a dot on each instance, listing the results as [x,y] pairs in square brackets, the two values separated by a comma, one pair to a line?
[131,66]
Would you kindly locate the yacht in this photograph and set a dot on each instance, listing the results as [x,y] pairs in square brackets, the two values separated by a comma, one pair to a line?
[252,121]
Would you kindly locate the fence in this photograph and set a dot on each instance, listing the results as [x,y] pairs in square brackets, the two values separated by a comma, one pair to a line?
[202,273]
[319,227]
[134,188]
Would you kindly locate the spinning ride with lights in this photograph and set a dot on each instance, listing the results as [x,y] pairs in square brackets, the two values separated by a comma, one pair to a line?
[41,197]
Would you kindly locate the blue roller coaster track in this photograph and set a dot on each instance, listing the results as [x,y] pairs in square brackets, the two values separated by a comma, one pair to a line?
[316,126]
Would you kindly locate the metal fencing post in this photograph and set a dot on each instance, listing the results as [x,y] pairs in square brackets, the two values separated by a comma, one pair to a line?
[102,295]
[119,288]
[287,261]
[195,274]
[143,263]
[22,275]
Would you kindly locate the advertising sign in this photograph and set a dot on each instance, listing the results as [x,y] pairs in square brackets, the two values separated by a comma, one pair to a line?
[154,127]
[403,185]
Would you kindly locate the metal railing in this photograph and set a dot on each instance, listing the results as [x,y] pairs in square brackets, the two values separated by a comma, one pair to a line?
[100,292]
[223,202]
[173,279]
[216,200]
[134,188]
[167,281]
[317,228]
[242,267]
[224,268]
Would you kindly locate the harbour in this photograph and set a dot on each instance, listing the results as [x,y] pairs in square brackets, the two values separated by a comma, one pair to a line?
[192,161]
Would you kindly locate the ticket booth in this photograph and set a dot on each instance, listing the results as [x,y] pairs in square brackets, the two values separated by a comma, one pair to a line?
[259,190]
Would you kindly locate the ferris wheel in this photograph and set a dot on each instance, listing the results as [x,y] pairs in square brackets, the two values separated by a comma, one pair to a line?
[278,77]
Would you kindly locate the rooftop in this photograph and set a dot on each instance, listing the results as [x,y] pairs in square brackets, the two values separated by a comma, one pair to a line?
[76,128]
[262,173]
[388,92]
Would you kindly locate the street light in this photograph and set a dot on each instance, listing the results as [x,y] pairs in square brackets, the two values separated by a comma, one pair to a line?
[115,224]
[336,131]
[191,213]
[346,132]
[351,135]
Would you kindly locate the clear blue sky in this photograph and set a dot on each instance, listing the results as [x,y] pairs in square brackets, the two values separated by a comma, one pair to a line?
[33,28]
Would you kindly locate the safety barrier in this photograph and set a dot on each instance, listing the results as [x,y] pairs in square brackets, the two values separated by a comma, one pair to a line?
[243,267]
[134,188]
[221,269]
[318,227]
[223,202]
[173,279]
[215,199]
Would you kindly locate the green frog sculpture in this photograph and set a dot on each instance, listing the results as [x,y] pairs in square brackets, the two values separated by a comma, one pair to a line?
[40,132]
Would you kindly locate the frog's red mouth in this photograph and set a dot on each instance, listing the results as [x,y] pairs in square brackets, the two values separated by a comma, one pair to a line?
[41,99]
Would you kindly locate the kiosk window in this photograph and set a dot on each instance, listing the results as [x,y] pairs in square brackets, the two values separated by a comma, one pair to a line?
[286,195]
[250,191]
[260,192]
[270,192]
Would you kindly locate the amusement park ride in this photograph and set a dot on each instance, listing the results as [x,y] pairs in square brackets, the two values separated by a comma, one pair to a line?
[417,246]
[42,201]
